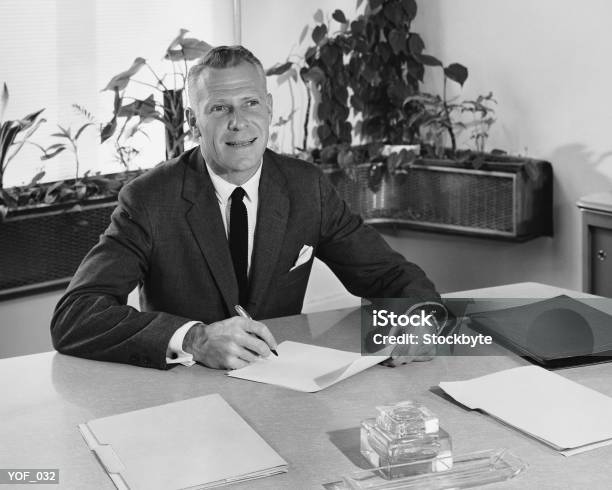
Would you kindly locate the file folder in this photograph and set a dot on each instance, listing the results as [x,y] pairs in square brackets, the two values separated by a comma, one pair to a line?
[554,333]
[197,443]
[567,416]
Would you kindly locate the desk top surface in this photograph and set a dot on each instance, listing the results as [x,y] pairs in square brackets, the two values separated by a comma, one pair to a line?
[45,396]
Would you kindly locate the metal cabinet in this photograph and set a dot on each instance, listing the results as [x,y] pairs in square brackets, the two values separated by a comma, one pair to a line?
[596,214]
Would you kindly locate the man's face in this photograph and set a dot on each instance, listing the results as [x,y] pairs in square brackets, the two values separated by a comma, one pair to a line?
[231,111]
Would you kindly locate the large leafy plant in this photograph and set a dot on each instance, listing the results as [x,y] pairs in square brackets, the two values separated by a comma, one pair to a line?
[164,105]
[373,65]
[383,62]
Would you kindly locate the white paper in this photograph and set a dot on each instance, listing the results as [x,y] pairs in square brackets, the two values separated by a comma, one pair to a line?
[304,367]
[201,442]
[562,413]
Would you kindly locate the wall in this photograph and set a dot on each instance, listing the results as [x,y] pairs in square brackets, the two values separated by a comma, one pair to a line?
[24,322]
[546,63]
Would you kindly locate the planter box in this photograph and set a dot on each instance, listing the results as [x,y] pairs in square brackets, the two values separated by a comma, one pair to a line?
[42,246]
[507,198]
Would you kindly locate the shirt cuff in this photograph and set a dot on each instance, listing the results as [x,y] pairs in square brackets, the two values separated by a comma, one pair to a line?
[175,353]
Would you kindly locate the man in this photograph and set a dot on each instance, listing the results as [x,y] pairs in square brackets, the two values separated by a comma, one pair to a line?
[225,223]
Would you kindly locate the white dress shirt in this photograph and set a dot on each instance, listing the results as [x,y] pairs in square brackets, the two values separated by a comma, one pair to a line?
[223,191]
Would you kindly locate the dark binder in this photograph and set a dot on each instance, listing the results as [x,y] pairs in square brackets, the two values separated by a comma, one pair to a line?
[554,333]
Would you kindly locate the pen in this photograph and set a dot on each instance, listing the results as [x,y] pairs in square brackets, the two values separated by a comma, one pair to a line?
[245,314]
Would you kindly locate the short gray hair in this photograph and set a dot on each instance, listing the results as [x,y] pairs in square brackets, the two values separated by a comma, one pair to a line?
[222,57]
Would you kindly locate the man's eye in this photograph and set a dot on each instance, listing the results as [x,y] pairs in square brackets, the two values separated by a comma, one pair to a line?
[218,108]
[252,103]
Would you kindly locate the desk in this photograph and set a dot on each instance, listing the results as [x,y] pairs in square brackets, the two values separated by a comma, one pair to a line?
[44,397]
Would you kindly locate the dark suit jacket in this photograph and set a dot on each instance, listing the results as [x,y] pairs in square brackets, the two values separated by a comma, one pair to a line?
[167,236]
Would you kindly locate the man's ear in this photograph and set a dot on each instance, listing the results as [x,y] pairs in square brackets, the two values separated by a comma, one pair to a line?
[269,104]
[191,120]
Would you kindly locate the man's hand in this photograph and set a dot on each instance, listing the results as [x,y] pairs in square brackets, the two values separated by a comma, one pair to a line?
[229,344]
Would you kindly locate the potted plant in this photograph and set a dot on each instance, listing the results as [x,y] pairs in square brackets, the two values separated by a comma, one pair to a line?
[373,67]
[165,105]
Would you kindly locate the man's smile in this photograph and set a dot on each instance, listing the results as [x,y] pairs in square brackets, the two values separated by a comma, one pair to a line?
[241,143]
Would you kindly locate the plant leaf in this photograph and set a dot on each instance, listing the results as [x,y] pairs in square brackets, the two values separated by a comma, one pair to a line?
[8,198]
[397,41]
[175,42]
[37,177]
[120,81]
[48,156]
[319,33]
[318,16]
[429,60]
[190,49]
[286,76]
[23,141]
[108,129]
[357,27]
[30,118]
[456,72]
[339,16]
[81,129]
[142,108]
[415,44]
[61,135]
[314,74]
[303,34]
[279,68]
[410,7]
[4,98]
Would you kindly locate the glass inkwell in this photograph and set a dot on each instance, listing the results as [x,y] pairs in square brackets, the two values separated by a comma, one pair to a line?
[405,433]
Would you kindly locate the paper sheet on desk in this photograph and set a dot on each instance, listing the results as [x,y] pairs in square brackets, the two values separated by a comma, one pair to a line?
[304,367]
[562,413]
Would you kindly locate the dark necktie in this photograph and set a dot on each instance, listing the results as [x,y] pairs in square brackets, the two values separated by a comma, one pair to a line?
[239,242]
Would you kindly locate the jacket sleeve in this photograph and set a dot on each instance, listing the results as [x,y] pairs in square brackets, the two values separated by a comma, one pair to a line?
[92,319]
[363,261]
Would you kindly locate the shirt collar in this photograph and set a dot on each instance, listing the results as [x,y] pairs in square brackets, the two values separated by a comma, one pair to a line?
[224,189]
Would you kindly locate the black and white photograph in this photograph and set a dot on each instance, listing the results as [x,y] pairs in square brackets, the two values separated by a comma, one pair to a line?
[279,244]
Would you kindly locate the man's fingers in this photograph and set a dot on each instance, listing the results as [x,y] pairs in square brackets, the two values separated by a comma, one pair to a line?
[262,332]
[254,344]
[236,363]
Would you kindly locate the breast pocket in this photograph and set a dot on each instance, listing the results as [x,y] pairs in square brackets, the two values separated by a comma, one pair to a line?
[300,273]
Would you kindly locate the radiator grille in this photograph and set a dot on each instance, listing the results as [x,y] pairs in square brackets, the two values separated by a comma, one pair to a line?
[50,246]
[435,198]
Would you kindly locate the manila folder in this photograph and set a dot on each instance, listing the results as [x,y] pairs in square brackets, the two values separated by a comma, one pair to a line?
[197,443]
[562,413]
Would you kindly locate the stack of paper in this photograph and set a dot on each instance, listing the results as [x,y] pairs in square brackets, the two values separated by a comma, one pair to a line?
[566,415]
[201,442]
[305,367]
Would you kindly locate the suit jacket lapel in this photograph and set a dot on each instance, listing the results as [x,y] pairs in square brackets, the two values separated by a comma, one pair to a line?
[204,218]
[270,230]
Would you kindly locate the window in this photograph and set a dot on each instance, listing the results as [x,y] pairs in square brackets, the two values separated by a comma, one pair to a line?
[57,53]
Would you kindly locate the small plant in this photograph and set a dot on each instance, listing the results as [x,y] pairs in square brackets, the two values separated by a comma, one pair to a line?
[170,87]
[482,119]
[10,130]
[69,141]
[437,117]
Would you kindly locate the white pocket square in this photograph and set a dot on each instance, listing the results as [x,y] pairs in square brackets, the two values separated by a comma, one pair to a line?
[303,257]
